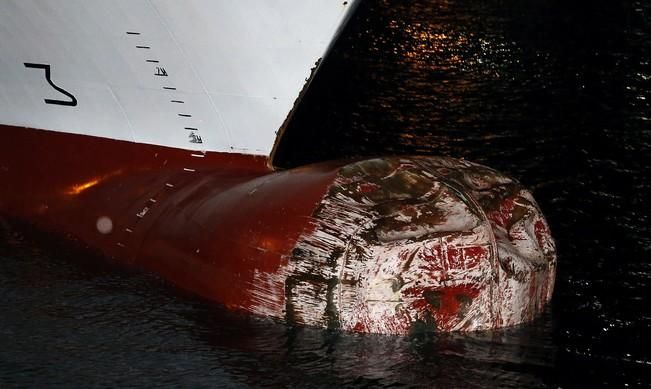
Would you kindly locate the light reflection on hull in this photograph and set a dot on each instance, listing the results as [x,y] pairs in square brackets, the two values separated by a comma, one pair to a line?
[316,245]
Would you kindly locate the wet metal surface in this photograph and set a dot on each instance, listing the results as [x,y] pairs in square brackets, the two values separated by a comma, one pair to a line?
[555,94]
[405,245]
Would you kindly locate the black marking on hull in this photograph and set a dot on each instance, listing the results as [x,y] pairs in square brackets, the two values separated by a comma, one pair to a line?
[46,67]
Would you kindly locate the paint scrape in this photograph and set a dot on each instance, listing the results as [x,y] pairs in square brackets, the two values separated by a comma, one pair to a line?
[404,244]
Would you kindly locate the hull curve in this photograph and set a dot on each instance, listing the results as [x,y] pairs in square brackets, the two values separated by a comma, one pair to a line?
[388,245]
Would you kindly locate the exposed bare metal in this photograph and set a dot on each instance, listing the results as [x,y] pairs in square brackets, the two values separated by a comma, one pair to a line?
[418,243]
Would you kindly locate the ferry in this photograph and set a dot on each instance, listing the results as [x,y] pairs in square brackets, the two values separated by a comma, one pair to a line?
[146,130]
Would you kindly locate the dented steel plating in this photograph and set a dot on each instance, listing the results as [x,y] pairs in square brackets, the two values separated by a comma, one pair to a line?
[404,243]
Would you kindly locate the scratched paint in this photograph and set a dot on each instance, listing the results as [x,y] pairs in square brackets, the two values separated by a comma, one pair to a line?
[420,243]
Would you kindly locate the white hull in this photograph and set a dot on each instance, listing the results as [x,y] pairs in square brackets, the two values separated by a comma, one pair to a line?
[199,74]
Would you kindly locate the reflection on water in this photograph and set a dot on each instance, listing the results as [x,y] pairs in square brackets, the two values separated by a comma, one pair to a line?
[552,93]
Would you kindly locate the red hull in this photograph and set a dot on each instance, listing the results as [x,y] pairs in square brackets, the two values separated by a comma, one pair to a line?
[373,246]
[150,206]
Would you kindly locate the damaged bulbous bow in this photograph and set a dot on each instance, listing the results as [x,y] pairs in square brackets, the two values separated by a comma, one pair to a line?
[400,244]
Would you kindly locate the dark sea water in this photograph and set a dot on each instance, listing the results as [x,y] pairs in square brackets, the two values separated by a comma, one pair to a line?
[555,93]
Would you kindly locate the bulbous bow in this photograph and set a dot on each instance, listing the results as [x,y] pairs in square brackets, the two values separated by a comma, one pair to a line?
[402,244]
